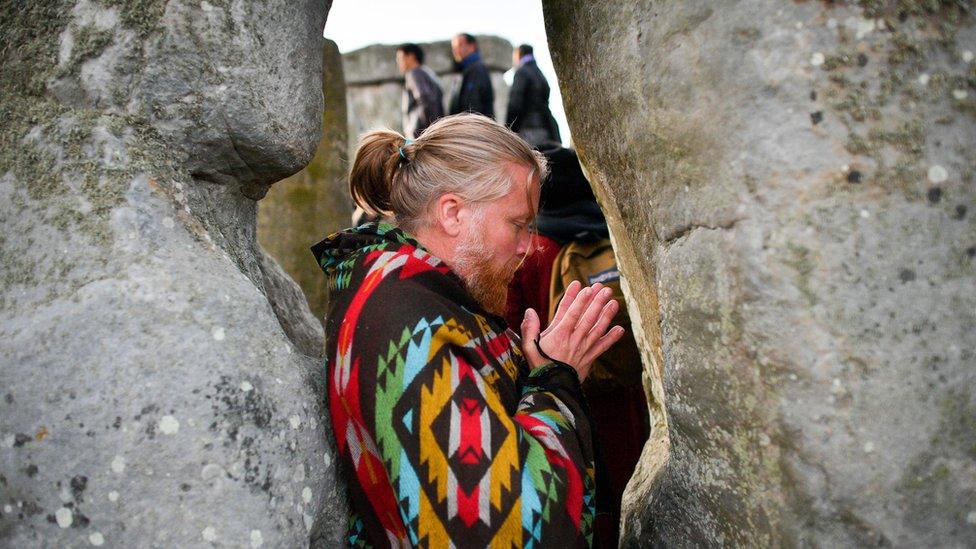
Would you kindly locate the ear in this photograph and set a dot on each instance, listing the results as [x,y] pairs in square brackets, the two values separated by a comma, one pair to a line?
[449,214]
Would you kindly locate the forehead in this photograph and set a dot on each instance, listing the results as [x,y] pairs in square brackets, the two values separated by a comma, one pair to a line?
[523,198]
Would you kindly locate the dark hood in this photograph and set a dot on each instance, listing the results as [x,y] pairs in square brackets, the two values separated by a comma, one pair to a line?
[568,210]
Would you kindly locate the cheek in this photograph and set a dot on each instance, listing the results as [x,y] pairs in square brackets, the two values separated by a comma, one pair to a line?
[505,242]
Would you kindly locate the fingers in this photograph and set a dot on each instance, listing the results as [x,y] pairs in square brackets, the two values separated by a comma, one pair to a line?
[575,311]
[578,332]
[530,331]
[602,345]
[568,298]
[530,325]
[606,316]
[591,315]
[599,296]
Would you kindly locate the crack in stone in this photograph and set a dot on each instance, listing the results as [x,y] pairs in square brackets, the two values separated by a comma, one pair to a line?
[685,230]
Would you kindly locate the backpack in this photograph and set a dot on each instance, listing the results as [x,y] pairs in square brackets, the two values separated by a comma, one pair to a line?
[592,262]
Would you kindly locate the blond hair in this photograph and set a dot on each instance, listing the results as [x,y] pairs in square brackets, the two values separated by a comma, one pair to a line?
[465,154]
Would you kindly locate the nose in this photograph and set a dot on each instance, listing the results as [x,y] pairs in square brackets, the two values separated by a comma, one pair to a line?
[525,243]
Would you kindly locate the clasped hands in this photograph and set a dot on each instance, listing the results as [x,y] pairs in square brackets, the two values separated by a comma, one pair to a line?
[578,333]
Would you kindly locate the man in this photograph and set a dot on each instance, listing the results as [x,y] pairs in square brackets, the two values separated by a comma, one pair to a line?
[451,430]
[474,93]
[423,100]
[528,101]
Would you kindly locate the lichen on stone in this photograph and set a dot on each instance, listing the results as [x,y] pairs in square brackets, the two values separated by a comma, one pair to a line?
[142,16]
[89,43]
[909,137]
[30,32]
[800,261]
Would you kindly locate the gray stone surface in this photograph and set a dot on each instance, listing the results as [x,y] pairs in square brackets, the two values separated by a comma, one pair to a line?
[157,388]
[793,184]
[300,210]
[374,87]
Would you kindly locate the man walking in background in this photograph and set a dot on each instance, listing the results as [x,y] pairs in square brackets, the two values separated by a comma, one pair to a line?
[528,101]
[423,100]
[474,93]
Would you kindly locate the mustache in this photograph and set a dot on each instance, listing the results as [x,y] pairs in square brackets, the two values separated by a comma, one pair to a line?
[484,280]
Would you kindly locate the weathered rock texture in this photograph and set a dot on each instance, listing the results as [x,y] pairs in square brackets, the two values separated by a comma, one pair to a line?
[374,87]
[159,386]
[299,210]
[793,182]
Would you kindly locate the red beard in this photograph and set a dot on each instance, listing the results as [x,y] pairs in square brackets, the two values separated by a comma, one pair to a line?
[484,279]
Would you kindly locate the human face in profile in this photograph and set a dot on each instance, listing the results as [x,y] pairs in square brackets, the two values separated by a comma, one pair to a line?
[406,61]
[497,239]
[460,48]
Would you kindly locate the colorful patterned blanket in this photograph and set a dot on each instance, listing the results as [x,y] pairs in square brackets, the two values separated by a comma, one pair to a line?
[445,436]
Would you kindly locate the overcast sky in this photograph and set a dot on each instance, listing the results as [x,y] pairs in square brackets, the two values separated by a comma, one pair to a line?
[357,23]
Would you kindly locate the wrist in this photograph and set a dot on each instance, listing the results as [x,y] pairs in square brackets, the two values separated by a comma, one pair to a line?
[556,373]
[546,357]
[538,346]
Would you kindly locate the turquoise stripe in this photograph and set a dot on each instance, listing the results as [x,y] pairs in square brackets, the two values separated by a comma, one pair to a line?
[410,493]
[530,504]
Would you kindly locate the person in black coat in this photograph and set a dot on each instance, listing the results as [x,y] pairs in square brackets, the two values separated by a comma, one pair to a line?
[528,101]
[474,93]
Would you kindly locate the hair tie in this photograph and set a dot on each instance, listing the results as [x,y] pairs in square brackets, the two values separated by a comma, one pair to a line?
[406,142]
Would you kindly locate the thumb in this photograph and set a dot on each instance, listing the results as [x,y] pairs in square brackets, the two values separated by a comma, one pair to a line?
[530,332]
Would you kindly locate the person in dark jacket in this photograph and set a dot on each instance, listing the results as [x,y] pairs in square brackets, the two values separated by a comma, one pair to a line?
[474,93]
[528,101]
[423,100]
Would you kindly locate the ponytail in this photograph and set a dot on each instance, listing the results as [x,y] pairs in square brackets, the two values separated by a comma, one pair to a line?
[376,163]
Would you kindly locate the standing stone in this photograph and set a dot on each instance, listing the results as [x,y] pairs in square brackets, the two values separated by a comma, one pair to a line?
[156,389]
[374,86]
[300,210]
[795,184]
